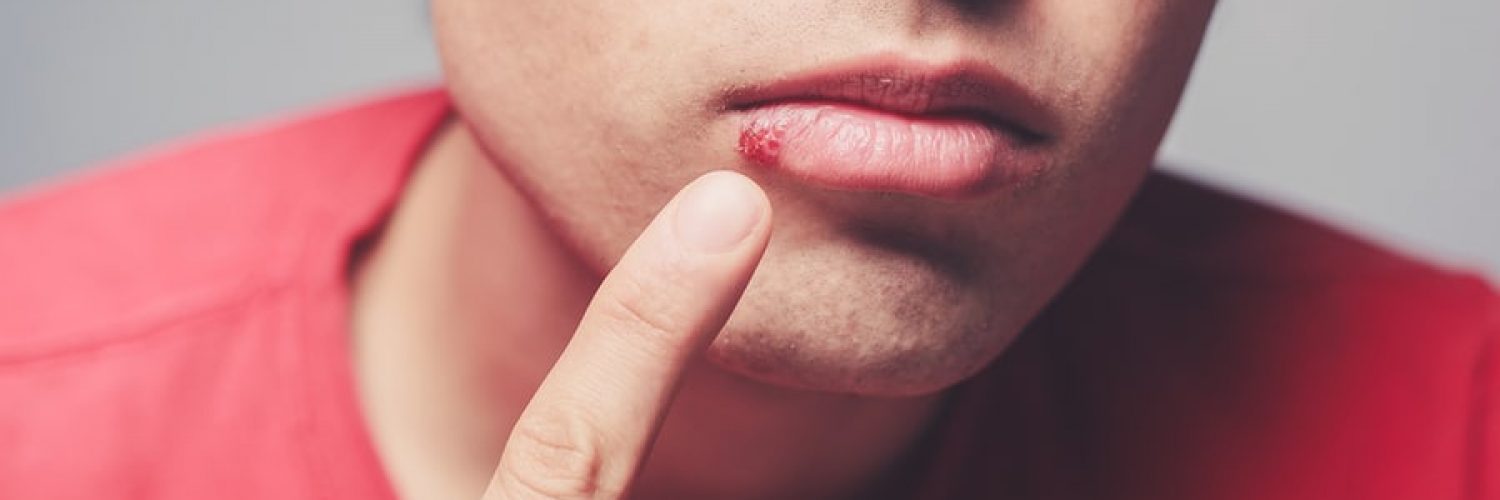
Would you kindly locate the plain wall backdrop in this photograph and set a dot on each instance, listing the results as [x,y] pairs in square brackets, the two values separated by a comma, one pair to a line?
[1378,115]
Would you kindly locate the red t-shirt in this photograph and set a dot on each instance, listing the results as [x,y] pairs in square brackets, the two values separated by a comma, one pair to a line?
[175,327]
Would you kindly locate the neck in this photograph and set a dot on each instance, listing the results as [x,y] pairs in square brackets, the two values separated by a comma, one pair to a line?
[467,299]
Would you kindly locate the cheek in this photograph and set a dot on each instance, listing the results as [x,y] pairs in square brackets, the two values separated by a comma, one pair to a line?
[587,104]
[605,71]
[1120,66]
[520,54]
[530,73]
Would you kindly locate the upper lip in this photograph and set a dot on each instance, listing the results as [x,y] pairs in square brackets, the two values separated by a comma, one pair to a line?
[964,88]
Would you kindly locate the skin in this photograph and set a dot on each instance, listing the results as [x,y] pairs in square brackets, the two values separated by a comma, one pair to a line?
[578,121]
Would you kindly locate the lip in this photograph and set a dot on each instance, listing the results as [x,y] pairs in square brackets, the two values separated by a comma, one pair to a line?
[962,88]
[888,123]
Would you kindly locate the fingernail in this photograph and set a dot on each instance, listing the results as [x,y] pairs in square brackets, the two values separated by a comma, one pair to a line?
[718,211]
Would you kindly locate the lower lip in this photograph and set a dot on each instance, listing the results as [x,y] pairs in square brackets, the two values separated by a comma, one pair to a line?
[844,146]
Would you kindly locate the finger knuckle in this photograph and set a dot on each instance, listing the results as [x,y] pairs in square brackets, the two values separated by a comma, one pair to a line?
[555,457]
[652,325]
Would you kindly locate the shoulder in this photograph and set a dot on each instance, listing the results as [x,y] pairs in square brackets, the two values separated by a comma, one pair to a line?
[1212,307]
[1246,348]
[1206,229]
[195,225]
[1216,244]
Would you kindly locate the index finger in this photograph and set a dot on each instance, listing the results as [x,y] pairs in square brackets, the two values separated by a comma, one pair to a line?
[590,424]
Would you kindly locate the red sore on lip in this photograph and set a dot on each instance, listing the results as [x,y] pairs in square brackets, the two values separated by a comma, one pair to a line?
[760,144]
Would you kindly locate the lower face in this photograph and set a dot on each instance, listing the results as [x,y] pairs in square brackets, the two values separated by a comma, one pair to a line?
[881,282]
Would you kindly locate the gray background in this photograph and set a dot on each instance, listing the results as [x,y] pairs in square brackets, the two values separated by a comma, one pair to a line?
[1380,115]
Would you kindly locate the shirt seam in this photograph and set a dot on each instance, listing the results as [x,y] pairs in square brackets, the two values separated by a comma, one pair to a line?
[145,329]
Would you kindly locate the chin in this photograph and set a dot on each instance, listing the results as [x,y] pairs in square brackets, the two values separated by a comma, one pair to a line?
[863,321]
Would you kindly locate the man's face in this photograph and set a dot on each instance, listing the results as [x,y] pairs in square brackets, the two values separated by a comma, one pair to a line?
[601,110]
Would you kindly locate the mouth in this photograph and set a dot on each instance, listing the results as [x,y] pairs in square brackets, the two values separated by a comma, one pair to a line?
[956,130]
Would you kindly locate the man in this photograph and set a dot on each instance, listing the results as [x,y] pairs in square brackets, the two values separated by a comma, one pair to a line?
[902,266]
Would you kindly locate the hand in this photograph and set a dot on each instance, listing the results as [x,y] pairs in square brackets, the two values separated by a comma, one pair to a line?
[590,425]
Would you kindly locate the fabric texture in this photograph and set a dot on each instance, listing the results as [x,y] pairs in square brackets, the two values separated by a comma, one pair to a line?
[174,326]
